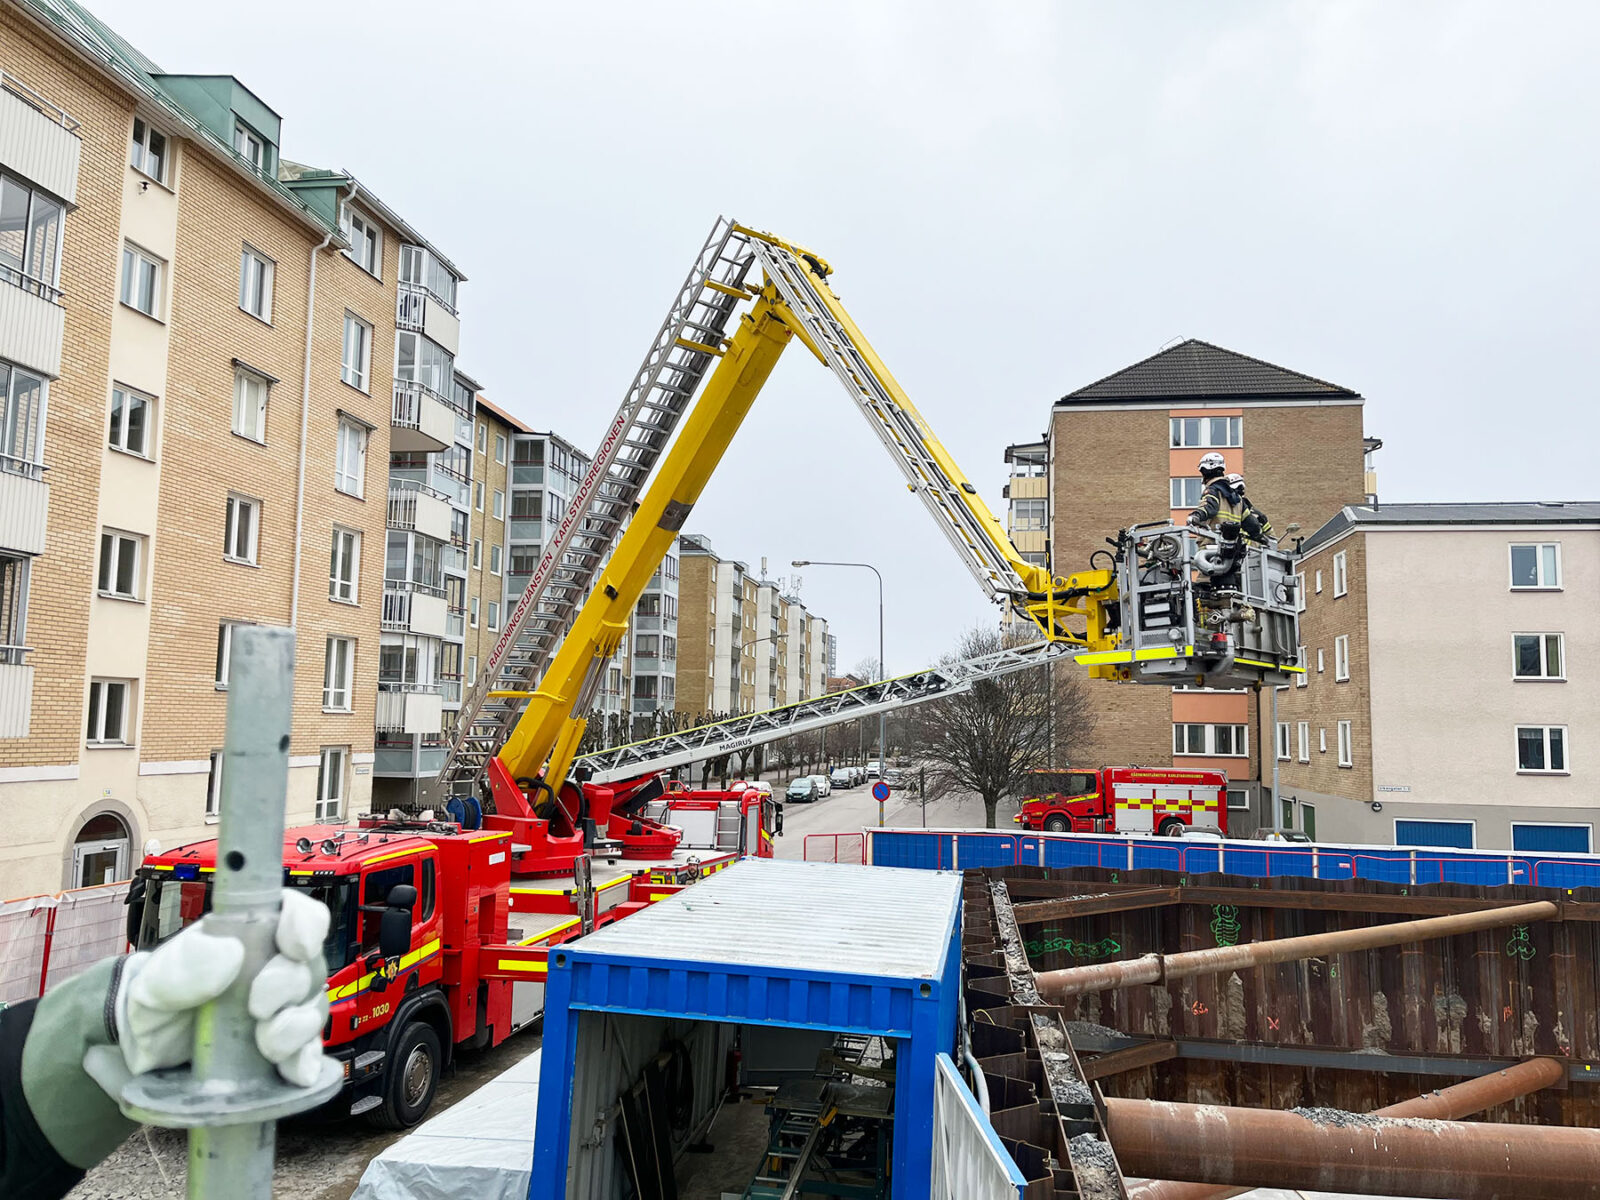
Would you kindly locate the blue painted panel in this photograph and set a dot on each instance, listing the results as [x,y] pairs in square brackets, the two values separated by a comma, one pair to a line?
[895,849]
[1296,862]
[1455,834]
[1087,852]
[1551,839]
[1201,859]
[1165,854]
[986,850]
[1246,860]
[1389,866]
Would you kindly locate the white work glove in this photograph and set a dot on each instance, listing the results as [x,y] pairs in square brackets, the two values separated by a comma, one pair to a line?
[160,992]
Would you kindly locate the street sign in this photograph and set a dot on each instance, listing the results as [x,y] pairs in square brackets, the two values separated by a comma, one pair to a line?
[880,791]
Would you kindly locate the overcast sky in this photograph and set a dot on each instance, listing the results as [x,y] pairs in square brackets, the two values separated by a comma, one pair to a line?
[1017,198]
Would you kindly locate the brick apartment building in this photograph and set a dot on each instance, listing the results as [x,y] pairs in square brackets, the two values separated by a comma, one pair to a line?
[1126,449]
[1471,726]
[196,342]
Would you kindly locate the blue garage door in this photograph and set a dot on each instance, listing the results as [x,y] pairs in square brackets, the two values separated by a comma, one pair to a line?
[1551,839]
[1456,834]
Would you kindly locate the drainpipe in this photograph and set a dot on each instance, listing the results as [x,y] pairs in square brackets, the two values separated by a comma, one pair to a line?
[305,417]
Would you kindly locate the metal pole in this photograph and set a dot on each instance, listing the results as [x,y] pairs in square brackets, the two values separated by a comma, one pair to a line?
[1346,1152]
[1448,1104]
[883,673]
[236,1160]
[1277,809]
[1158,968]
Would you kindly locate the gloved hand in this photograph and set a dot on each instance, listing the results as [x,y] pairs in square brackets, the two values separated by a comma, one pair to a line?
[154,1007]
[1195,519]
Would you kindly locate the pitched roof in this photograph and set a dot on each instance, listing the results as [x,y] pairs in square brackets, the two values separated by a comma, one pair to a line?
[1196,370]
[1528,512]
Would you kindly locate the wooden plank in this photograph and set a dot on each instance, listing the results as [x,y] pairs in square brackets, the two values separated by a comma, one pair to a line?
[1146,1054]
[1038,911]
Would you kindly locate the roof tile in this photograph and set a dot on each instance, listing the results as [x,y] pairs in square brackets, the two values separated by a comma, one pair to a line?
[1196,370]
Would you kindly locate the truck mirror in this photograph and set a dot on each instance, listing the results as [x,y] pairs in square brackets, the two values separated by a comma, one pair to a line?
[394,926]
[135,903]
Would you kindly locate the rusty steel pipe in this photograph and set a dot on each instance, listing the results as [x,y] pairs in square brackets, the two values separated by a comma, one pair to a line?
[1368,1155]
[1159,968]
[1448,1104]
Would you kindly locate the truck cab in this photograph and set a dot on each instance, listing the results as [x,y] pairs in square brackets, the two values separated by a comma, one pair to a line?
[1125,800]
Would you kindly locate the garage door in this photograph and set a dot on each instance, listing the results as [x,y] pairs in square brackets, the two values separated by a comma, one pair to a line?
[1455,834]
[1550,839]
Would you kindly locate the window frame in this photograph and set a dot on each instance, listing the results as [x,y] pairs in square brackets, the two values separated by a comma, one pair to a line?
[477,554]
[371,239]
[1300,591]
[243,378]
[128,395]
[472,612]
[213,810]
[351,432]
[235,502]
[335,583]
[483,438]
[243,138]
[1231,793]
[97,709]
[1341,574]
[1032,524]
[495,560]
[1181,483]
[331,684]
[477,495]
[492,616]
[359,374]
[139,151]
[498,505]
[119,538]
[500,449]
[133,257]
[1239,736]
[330,807]
[1302,735]
[1234,433]
[1341,658]
[1515,825]
[1542,644]
[268,268]
[1470,824]
[1281,748]
[1541,584]
[1346,737]
[1545,730]
[1303,679]
[224,664]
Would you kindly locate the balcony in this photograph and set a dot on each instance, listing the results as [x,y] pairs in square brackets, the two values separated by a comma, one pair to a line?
[16,692]
[418,507]
[450,690]
[455,628]
[424,422]
[38,140]
[24,503]
[31,320]
[409,708]
[396,757]
[420,311]
[453,559]
[413,608]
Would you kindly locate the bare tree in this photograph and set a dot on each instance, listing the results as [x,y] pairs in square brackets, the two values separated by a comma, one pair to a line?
[986,740]
[867,669]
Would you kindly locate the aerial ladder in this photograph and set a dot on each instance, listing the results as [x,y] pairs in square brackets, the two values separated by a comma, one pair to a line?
[1169,607]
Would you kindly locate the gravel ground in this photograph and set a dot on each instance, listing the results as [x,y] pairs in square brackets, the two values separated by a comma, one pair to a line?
[315,1162]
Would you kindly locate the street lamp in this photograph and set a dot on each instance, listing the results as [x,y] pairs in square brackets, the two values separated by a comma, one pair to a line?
[883,672]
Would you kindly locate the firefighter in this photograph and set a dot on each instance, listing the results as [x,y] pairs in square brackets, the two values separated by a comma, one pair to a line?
[1224,506]
[65,1056]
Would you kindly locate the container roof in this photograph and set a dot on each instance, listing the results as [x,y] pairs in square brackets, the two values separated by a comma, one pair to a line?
[778,914]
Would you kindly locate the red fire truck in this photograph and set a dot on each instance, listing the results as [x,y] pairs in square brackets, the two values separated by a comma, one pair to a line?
[470,969]
[1126,800]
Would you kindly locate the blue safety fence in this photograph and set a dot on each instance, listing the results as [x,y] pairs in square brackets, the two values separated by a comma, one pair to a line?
[961,849]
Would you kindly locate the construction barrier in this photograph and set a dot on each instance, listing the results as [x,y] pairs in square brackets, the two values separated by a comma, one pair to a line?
[836,847]
[951,849]
[45,939]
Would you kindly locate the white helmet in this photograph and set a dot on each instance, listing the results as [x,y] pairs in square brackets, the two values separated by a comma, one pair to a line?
[1235,481]
[1212,464]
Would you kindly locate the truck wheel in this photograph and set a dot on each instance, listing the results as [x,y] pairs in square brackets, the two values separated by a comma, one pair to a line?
[1172,827]
[411,1080]
[1056,824]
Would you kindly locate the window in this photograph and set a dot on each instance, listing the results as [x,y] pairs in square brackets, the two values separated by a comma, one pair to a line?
[1238,798]
[214,785]
[483,438]
[1283,741]
[499,509]
[108,711]
[477,554]
[149,153]
[1186,491]
[1286,812]
[30,238]
[350,458]
[1213,740]
[1320,661]
[1347,754]
[120,555]
[130,420]
[355,367]
[250,404]
[1341,658]
[1551,839]
[472,612]
[1209,432]
[1319,583]
[1300,592]
[477,496]
[366,241]
[472,669]
[344,566]
[22,406]
[141,280]
[241,534]
[1536,566]
[337,669]
[420,267]
[1341,575]
[1028,514]
[255,283]
[1303,740]
[494,616]
[1322,740]
[494,560]
[1456,835]
[500,449]
[225,652]
[1301,680]
[428,363]
[330,782]
[1542,748]
[1536,656]
[250,145]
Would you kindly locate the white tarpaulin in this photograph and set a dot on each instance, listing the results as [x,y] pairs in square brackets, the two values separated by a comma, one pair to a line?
[480,1147]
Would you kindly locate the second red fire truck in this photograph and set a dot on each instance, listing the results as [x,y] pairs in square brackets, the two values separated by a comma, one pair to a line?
[1126,800]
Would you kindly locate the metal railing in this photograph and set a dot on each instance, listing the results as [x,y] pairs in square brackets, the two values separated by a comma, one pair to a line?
[27,283]
[35,101]
[397,594]
[403,495]
[410,307]
[13,656]
[27,468]
[409,396]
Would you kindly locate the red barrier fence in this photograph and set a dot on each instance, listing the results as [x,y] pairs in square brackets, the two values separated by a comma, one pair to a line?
[836,847]
[45,939]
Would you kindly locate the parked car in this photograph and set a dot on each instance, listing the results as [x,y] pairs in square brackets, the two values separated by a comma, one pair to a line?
[894,779]
[873,770]
[757,785]
[824,784]
[859,774]
[1279,835]
[842,777]
[803,790]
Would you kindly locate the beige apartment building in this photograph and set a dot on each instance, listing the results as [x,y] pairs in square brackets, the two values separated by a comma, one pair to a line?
[1453,677]
[196,358]
[489,557]
[1126,449]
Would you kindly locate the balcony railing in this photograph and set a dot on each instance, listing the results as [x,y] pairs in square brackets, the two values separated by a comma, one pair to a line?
[450,689]
[403,495]
[418,407]
[30,285]
[411,306]
[455,626]
[408,707]
[34,100]
[399,606]
[453,558]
